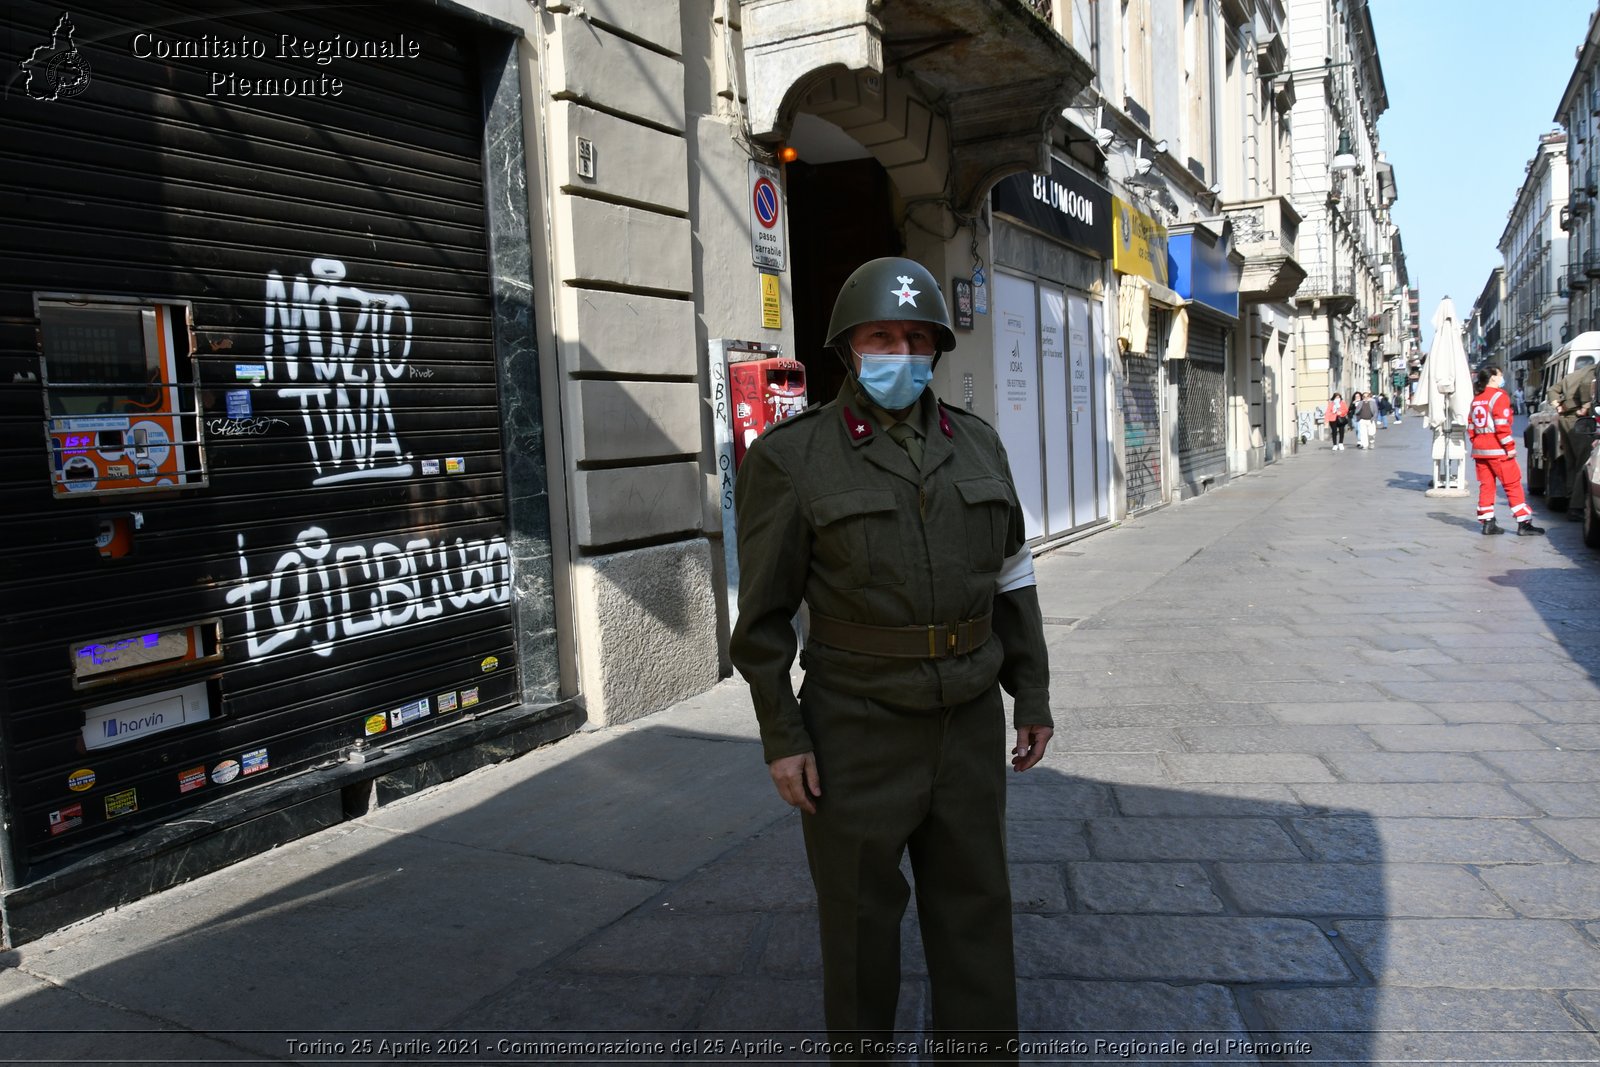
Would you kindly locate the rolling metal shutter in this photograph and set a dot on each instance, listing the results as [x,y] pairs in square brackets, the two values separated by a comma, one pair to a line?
[349,540]
[1141,420]
[1202,403]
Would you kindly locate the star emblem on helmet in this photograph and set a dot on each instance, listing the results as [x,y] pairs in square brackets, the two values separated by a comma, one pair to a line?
[906,294]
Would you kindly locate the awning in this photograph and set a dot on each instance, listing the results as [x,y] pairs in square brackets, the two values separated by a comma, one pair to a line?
[1533,353]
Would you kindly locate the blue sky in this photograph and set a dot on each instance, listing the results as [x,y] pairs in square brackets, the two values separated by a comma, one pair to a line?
[1471,84]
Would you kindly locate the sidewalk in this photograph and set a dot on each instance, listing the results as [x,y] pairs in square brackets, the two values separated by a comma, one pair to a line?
[1325,772]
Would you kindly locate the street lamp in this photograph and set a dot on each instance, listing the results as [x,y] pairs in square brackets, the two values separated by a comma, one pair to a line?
[1344,160]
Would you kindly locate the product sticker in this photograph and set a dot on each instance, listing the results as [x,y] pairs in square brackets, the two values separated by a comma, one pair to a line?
[430,466]
[191,779]
[254,761]
[447,702]
[225,772]
[119,470]
[377,724]
[250,372]
[66,819]
[469,697]
[489,663]
[123,803]
[239,404]
[81,781]
[455,464]
[417,709]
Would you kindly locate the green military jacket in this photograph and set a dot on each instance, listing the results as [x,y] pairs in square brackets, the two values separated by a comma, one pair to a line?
[1574,391]
[831,510]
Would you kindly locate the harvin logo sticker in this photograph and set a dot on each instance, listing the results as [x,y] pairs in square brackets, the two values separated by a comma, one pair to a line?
[139,717]
[57,71]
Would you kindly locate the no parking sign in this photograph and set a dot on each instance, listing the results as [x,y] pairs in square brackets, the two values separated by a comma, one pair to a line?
[767,245]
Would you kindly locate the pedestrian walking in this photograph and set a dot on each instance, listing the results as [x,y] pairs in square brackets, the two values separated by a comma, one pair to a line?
[895,519]
[1385,409]
[1364,413]
[1337,418]
[1494,452]
[1519,407]
[1399,407]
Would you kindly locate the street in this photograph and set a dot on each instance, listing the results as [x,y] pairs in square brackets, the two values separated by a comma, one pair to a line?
[1324,788]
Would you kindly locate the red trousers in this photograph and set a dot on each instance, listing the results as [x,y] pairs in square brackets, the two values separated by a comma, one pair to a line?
[1510,475]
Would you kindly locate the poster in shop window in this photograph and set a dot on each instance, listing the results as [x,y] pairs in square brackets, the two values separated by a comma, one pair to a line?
[1016,379]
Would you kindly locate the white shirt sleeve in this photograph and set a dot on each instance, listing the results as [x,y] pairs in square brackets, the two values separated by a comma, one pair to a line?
[1016,572]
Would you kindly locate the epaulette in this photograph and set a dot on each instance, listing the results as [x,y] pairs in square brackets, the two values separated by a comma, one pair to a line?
[964,413]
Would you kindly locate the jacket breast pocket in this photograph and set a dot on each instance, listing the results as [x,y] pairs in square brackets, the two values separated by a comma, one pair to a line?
[859,540]
[988,514]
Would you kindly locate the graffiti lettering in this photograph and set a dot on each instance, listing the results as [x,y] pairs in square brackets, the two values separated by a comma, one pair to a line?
[256,426]
[422,372]
[321,592]
[352,344]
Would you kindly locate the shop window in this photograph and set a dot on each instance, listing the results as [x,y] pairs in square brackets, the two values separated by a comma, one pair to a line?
[121,395]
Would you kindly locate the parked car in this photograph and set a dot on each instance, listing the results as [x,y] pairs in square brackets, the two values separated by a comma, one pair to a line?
[1547,462]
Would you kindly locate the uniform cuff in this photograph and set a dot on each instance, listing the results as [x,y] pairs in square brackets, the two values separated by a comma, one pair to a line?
[780,741]
[1032,709]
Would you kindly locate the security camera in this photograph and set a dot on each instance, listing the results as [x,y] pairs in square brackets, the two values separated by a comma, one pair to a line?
[1216,189]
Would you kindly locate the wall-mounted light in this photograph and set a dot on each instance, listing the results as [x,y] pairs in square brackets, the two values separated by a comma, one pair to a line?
[788,154]
[1344,160]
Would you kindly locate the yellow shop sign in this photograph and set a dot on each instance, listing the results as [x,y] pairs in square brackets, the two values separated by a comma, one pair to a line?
[1139,242]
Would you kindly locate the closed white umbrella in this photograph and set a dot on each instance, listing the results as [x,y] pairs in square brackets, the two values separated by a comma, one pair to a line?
[1446,397]
[1446,376]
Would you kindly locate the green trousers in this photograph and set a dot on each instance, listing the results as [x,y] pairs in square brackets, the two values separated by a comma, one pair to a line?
[931,782]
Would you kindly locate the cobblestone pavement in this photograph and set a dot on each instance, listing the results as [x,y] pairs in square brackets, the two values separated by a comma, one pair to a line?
[1325,776]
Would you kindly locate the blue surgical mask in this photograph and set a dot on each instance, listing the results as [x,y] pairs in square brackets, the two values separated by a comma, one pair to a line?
[894,382]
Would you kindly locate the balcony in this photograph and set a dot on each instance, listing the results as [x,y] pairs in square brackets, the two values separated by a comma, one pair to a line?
[992,75]
[1591,263]
[1577,281]
[1264,232]
[1333,291]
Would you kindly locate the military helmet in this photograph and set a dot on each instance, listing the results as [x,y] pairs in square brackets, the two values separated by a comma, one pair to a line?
[891,288]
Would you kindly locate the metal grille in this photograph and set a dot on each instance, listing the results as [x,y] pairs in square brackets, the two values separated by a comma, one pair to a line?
[1202,403]
[1141,421]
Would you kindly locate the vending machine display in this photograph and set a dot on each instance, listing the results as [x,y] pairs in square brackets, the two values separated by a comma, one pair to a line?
[119,416]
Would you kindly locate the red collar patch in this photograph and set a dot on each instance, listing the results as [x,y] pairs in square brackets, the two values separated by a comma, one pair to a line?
[944,424]
[857,427]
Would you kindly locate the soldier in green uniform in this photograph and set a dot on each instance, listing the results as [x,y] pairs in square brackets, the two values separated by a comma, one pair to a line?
[894,518]
[1573,397]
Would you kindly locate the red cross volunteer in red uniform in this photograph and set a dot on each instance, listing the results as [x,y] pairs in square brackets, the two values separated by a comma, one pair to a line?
[1494,450]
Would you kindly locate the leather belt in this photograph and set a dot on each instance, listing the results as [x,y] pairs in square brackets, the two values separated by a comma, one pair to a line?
[940,641]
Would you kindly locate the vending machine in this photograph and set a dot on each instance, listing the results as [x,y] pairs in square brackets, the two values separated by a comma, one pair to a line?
[119,416]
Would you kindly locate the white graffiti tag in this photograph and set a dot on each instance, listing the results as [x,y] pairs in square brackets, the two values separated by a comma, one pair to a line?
[321,592]
[352,344]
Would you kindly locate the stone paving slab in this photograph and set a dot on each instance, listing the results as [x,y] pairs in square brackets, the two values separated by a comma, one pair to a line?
[1549,891]
[1474,953]
[1399,1025]
[1205,799]
[1045,840]
[1164,716]
[1276,739]
[1175,948]
[1359,838]
[1190,839]
[1583,737]
[1213,767]
[1500,712]
[1544,766]
[1357,713]
[1459,799]
[1359,889]
[1581,837]
[1107,888]
[1408,767]
[1124,1011]
[1465,738]
[1562,799]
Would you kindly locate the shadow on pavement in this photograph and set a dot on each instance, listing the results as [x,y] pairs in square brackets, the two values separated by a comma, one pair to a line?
[651,888]
[1451,519]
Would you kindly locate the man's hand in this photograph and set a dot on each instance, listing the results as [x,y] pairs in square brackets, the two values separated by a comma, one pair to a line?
[1031,742]
[797,781]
